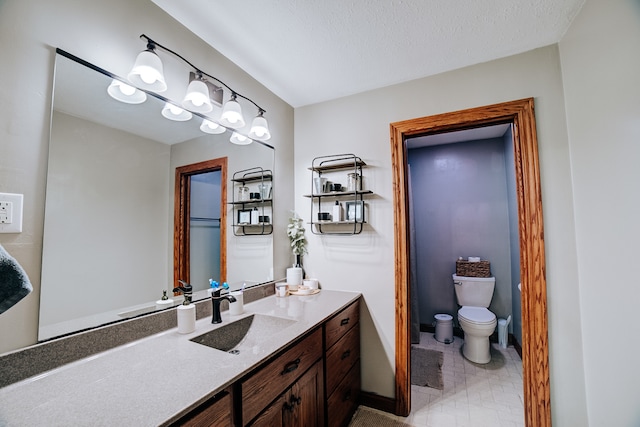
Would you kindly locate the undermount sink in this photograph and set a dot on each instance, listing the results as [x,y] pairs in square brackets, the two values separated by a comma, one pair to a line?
[244,333]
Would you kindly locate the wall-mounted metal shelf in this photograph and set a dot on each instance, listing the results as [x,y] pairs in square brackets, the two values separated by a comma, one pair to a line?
[321,198]
[244,211]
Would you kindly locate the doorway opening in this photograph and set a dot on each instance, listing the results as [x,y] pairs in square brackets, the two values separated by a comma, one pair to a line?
[200,218]
[535,352]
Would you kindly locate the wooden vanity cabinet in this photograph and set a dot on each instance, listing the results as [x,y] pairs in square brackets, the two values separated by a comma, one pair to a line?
[342,365]
[284,377]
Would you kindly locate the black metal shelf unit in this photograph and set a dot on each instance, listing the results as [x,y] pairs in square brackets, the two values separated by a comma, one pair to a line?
[243,210]
[322,194]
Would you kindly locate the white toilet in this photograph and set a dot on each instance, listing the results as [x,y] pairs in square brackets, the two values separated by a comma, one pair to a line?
[478,323]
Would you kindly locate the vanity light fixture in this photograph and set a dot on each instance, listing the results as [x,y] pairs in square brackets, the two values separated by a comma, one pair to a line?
[126,93]
[240,139]
[197,98]
[147,71]
[208,126]
[260,128]
[232,114]
[173,112]
[147,74]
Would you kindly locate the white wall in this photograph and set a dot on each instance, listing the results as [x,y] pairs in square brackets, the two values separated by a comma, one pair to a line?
[106,34]
[360,124]
[600,69]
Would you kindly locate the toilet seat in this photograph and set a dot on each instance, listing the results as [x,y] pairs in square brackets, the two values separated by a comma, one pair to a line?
[477,315]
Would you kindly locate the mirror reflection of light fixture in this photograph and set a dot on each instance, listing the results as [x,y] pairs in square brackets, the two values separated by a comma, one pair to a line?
[208,126]
[259,128]
[147,71]
[126,93]
[197,98]
[240,139]
[173,112]
[232,114]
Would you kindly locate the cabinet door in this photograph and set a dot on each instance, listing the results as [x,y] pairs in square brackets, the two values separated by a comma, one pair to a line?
[300,406]
[306,406]
[274,415]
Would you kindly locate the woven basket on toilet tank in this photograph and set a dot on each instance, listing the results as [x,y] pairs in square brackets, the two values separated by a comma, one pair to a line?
[473,269]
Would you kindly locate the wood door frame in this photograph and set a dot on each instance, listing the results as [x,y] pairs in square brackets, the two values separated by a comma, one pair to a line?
[535,350]
[182,213]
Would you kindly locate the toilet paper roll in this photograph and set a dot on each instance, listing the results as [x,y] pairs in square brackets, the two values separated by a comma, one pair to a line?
[294,278]
[186,318]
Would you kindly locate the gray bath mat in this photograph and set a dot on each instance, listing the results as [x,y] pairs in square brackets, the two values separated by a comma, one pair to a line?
[426,367]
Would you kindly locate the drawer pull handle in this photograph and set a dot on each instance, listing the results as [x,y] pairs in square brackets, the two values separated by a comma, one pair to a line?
[345,354]
[347,396]
[295,400]
[290,367]
[288,407]
[344,322]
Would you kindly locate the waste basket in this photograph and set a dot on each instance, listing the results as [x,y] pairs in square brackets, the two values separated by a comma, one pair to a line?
[444,328]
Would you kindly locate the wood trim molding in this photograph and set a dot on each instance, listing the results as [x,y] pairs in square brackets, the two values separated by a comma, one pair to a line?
[535,351]
[181,215]
[375,401]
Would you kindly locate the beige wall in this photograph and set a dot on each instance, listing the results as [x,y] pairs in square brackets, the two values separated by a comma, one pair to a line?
[360,124]
[106,34]
[600,69]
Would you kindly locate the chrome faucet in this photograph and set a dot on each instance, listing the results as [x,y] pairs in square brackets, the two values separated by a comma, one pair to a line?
[216,299]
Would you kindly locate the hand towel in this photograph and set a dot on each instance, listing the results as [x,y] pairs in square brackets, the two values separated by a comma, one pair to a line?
[14,283]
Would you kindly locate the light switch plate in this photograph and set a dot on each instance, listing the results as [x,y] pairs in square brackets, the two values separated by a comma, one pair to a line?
[10,213]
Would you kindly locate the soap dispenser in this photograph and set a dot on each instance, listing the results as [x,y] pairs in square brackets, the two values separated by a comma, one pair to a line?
[164,302]
[186,311]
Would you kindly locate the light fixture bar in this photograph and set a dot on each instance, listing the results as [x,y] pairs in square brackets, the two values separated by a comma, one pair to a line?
[156,44]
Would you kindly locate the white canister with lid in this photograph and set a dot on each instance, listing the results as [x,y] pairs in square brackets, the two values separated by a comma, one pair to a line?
[294,278]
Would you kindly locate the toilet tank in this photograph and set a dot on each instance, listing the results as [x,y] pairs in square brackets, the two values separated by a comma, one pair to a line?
[474,291]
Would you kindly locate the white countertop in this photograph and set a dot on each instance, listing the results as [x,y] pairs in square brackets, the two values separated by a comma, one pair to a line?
[151,381]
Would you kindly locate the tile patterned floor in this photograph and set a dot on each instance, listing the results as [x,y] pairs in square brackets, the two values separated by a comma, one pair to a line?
[474,395]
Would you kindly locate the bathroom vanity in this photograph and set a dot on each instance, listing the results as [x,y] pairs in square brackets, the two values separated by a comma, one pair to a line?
[304,371]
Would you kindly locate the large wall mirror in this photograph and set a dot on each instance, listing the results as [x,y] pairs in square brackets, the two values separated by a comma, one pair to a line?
[109,213]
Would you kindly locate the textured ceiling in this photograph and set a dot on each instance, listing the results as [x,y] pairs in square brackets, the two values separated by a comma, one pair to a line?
[311,51]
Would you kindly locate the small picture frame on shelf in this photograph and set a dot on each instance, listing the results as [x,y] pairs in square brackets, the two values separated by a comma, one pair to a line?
[244,216]
[355,211]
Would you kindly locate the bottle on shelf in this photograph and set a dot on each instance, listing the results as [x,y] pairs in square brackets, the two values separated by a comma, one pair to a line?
[338,212]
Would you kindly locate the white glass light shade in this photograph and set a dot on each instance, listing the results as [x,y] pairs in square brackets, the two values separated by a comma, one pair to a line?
[232,115]
[147,72]
[260,129]
[197,98]
[173,112]
[208,126]
[239,139]
[125,93]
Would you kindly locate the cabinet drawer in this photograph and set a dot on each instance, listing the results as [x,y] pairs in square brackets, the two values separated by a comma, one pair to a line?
[270,381]
[343,401]
[341,357]
[216,412]
[337,326]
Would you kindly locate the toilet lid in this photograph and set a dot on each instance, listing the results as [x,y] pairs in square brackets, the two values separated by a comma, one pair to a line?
[477,314]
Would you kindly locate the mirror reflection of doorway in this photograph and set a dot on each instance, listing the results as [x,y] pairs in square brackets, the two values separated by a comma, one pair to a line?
[204,228]
[200,237]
